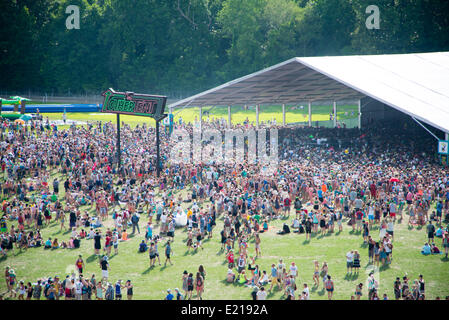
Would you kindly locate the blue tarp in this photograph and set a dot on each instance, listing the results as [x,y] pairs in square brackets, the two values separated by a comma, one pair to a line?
[56,108]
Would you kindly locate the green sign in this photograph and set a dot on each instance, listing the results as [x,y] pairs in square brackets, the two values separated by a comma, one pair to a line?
[134,104]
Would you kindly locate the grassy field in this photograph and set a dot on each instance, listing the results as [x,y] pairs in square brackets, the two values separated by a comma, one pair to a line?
[267,113]
[153,283]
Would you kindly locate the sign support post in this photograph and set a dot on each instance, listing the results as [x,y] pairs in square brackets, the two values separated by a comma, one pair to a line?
[137,105]
[118,142]
[158,155]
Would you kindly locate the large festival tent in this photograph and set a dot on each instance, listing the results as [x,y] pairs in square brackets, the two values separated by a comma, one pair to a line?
[416,84]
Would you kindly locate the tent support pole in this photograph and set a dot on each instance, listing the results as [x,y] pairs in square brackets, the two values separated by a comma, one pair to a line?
[426,128]
[257,115]
[201,118]
[283,114]
[310,114]
[229,116]
[360,114]
[335,114]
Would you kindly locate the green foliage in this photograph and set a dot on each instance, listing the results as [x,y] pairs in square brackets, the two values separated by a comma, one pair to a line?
[181,47]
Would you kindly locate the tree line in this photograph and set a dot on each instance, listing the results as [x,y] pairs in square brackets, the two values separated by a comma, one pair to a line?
[181,47]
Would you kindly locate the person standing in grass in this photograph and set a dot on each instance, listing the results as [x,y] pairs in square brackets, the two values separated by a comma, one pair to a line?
[356,263]
[129,290]
[329,285]
[430,231]
[104,268]
[97,243]
[397,287]
[349,260]
[152,254]
[274,277]
[445,242]
[316,274]
[80,264]
[190,285]
[257,245]
[168,252]
[199,284]
[358,291]
[202,271]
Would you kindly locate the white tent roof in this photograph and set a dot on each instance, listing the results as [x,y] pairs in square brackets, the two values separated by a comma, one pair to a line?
[416,84]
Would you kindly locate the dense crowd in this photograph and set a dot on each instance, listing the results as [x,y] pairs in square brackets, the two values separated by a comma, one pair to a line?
[325,178]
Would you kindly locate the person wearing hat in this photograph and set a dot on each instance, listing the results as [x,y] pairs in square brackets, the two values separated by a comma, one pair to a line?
[12,282]
[169,295]
[104,268]
[118,290]
[179,296]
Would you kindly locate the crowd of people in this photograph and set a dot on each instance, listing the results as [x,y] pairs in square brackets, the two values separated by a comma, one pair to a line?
[325,179]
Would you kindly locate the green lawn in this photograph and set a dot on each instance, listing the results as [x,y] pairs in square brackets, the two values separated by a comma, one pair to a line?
[267,113]
[152,283]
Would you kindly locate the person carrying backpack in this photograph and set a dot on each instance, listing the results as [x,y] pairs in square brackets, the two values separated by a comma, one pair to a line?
[329,285]
[109,295]
[37,290]
[190,286]
[46,288]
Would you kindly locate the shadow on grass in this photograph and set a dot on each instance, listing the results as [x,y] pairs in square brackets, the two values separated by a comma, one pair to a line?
[351,276]
[92,258]
[384,267]
[148,270]
[321,292]
[19,252]
[67,232]
[306,242]
[162,268]
[364,245]
[444,259]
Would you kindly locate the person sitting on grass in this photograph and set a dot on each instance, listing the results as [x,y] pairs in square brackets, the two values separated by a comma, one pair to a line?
[143,246]
[439,232]
[55,244]
[434,249]
[96,223]
[426,249]
[70,245]
[285,229]
[48,244]
[82,234]
[124,235]
[76,243]
[230,276]
[242,278]
[264,226]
